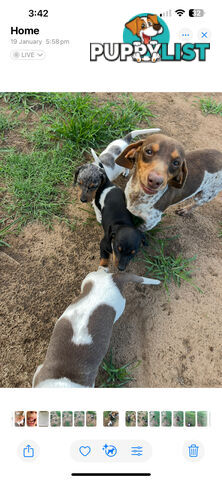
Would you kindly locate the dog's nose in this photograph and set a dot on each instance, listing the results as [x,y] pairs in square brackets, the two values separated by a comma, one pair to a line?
[154,180]
[121,267]
[83,199]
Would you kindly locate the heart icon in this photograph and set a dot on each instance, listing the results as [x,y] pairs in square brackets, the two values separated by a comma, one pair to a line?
[85,450]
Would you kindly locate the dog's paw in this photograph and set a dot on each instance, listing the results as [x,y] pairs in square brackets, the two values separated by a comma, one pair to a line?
[136,57]
[125,173]
[155,57]
[182,211]
[99,218]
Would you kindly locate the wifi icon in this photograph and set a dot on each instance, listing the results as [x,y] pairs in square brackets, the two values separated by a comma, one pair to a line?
[180,12]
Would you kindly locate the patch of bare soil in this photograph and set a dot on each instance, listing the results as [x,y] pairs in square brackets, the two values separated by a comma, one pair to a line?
[178,341]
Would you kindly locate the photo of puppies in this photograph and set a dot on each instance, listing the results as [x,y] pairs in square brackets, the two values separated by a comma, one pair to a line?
[79,419]
[67,419]
[178,419]
[130,419]
[31,419]
[190,419]
[55,419]
[142,419]
[154,419]
[135,237]
[110,419]
[19,418]
[166,419]
[202,419]
[91,418]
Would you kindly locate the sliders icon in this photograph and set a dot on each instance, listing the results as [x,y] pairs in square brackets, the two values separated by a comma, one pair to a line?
[138,451]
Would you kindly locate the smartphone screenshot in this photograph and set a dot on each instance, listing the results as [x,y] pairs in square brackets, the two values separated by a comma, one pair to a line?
[110,240]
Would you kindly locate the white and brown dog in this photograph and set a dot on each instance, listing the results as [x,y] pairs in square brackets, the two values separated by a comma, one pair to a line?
[145,28]
[164,175]
[81,336]
[108,156]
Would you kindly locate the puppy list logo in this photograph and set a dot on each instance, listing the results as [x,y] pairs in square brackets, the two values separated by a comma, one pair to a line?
[146,39]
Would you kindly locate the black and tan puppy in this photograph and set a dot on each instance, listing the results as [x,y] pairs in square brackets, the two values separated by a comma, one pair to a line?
[121,238]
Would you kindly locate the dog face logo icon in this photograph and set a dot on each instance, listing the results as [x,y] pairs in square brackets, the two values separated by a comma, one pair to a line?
[146,38]
[146,30]
[145,27]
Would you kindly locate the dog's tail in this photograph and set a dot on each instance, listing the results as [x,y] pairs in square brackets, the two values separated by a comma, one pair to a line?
[147,131]
[96,158]
[122,278]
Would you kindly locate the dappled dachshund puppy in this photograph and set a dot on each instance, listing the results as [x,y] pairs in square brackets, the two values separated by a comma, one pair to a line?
[89,178]
[81,336]
[164,175]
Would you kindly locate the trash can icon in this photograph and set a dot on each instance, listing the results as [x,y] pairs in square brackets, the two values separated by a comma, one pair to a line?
[193,450]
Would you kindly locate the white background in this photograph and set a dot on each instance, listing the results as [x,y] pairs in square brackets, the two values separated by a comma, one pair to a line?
[167,461]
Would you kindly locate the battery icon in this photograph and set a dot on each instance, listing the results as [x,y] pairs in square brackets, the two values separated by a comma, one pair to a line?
[195,12]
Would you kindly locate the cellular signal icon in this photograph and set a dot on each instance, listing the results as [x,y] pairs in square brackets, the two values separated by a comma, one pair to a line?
[168,13]
[180,12]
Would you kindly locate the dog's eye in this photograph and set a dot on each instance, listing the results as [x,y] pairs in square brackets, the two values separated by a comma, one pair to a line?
[92,187]
[143,25]
[176,163]
[149,151]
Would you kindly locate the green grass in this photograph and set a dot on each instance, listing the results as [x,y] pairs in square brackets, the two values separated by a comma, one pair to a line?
[166,418]
[209,106]
[154,418]
[6,229]
[168,267]
[69,125]
[202,419]
[220,231]
[190,419]
[7,123]
[33,180]
[93,124]
[178,419]
[79,419]
[116,377]
[130,418]
[30,101]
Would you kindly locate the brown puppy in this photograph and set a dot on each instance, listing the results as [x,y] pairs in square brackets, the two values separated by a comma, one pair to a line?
[164,175]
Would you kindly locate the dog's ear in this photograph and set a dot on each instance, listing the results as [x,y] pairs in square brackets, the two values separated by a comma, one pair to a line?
[153,19]
[77,173]
[127,157]
[180,179]
[134,25]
